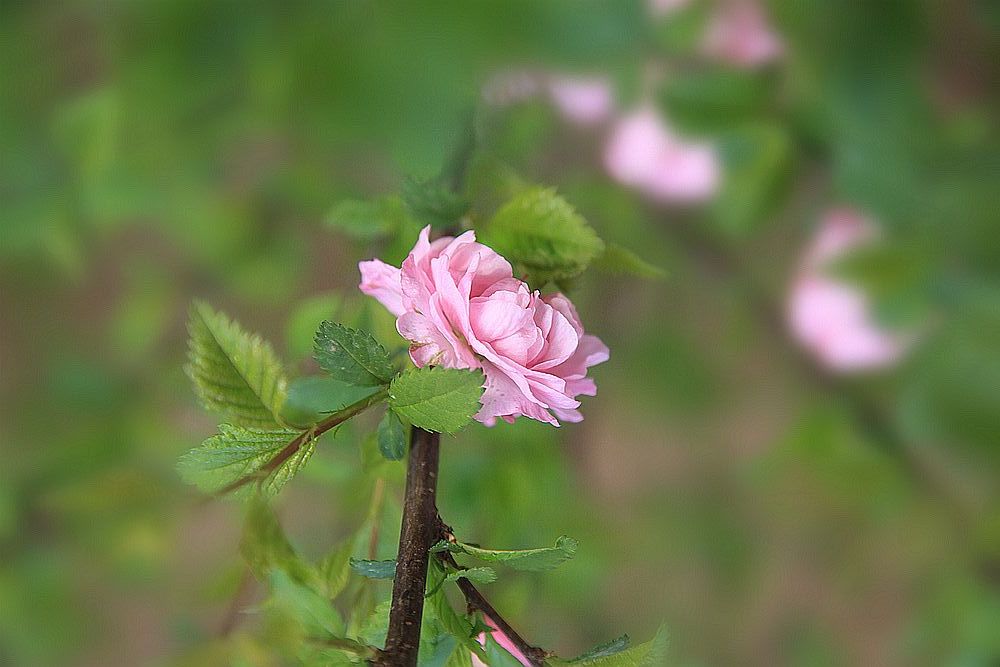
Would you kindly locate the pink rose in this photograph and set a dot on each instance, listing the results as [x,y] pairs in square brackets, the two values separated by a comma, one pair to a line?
[460,306]
[643,153]
[740,35]
[501,639]
[832,318]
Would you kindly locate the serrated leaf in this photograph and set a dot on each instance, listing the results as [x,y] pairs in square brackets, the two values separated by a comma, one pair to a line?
[351,356]
[312,397]
[391,437]
[545,558]
[238,452]
[374,569]
[235,373]
[540,232]
[437,399]
[616,259]
[609,648]
[432,203]
[650,654]
[367,220]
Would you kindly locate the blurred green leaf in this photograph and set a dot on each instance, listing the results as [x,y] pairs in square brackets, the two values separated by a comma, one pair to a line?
[391,438]
[374,569]
[545,558]
[264,546]
[758,160]
[540,232]
[435,398]
[235,373]
[237,452]
[305,318]
[308,607]
[335,568]
[368,220]
[715,99]
[616,259]
[433,203]
[309,398]
[351,356]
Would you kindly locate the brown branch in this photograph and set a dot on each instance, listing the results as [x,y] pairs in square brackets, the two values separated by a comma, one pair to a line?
[476,601]
[418,533]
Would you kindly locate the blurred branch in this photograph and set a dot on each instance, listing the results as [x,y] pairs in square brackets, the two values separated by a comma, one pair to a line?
[232,615]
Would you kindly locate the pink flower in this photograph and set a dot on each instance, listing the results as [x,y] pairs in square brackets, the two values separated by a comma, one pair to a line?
[459,305]
[740,34]
[582,100]
[660,8]
[501,639]
[831,318]
[643,153]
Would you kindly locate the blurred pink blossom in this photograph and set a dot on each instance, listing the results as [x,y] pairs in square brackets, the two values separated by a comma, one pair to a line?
[512,87]
[501,639]
[459,305]
[832,318]
[740,34]
[642,152]
[660,8]
[582,100]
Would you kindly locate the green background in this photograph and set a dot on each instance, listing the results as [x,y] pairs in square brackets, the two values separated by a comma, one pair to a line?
[770,513]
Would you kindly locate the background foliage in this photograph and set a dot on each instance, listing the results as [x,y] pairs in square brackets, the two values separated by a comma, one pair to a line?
[770,514]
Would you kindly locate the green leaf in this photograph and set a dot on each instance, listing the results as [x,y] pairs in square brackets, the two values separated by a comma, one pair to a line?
[235,373]
[616,259]
[311,397]
[610,648]
[367,220]
[335,568]
[237,452]
[651,654]
[308,607]
[498,656]
[540,232]
[263,544]
[437,399]
[351,356]
[391,437]
[477,575]
[545,558]
[374,569]
[431,202]
[460,657]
